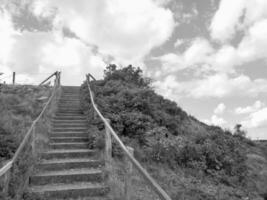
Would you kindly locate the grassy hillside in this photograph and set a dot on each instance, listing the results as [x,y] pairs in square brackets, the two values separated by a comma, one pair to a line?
[19,106]
[188,158]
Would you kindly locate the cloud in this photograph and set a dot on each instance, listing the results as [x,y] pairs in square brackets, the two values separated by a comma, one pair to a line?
[236,15]
[256,119]
[169,87]
[216,86]
[249,109]
[225,20]
[199,52]
[124,29]
[221,85]
[220,109]
[178,42]
[171,62]
[39,54]
[6,35]
[215,120]
[254,44]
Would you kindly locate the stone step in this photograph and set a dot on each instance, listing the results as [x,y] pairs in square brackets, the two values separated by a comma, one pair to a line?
[74,121]
[69,153]
[65,112]
[69,191]
[69,113]
[69,100]
[69,134]
[62,164]
[71,95]
[69,103]
[66,176]
[69,109]
[69,125]
[69,145]
[70,129]
[70,117]
[68,139]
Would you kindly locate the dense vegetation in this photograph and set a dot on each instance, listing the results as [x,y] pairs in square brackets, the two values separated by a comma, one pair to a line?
[161,132]
[19,106]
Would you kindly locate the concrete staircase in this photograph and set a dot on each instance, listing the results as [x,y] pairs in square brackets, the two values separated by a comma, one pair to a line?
[69,169]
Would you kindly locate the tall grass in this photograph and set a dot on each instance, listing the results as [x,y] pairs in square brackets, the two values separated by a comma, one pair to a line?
[20,105]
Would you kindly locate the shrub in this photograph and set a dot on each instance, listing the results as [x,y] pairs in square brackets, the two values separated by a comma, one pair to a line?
[162,129]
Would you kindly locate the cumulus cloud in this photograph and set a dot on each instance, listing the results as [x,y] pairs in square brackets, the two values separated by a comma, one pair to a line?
[221,85]
[198,52]
[236,15]
[254,44]
[218,85]
[124,29]
[178,42]
[215,120]
[256,119]
[6,36]
[249,109]
[171,62]
[225,20]
[220,109]
[169,87]
[47,53]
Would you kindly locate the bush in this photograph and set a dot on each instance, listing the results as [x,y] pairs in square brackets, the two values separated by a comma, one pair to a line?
[162,129]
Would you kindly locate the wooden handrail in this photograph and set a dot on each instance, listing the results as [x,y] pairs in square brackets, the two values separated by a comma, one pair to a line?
[155,186]
[8,165]
[54,74]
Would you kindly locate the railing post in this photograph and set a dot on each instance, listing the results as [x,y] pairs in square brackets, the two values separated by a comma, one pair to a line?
[33,140]
[108,146]
[128,178]
[6,182]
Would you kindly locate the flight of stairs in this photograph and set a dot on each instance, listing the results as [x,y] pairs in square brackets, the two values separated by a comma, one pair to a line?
[69,169]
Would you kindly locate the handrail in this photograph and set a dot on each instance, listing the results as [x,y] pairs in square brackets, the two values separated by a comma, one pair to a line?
[54,74]
[162,194]
[8,165]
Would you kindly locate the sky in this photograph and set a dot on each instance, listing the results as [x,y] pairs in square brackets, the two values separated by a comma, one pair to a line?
[209,56]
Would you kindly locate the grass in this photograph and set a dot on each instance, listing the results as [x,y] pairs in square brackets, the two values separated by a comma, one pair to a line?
[19,106]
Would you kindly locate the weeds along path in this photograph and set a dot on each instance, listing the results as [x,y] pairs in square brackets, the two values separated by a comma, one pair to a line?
[69,169]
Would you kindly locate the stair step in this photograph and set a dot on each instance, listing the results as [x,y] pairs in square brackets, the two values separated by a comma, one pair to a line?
[62,164]
[72,190]
[69,145]
[70,125]
[67,176]
[69,114]
[69,117]
[68,101]
[69,134]
[69,110]
[59,121]
[70,153]
[77,129]
[68,139]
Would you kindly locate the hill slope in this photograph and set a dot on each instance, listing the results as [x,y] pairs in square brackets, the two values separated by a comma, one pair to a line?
[208,162]
[19,106]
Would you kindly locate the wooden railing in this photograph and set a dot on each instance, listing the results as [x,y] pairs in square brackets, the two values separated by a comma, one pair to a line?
[56,74]
[28,140]
[127,151]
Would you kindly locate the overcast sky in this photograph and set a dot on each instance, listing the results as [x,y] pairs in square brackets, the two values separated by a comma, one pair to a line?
[207,55]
